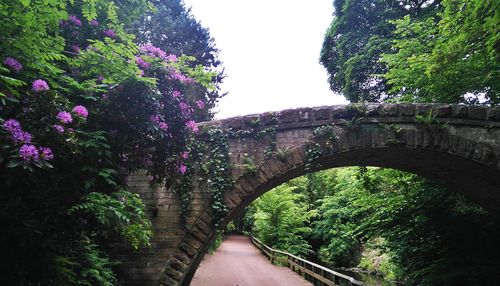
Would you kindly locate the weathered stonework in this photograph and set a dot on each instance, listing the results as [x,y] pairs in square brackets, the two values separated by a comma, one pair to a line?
[460,148]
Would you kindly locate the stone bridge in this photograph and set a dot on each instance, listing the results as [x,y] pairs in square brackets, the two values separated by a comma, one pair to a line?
[457,146]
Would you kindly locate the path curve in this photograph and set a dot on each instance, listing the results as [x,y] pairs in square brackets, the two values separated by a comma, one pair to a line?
[238,262]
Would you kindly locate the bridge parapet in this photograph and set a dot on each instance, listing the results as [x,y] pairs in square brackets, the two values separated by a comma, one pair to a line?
[316,116]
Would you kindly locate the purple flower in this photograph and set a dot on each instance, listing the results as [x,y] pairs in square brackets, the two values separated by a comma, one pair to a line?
[58,128]
[39,85]
[13,64]
[21,137]
[171,58]
[81,111]
[200,104]
[100,78]
[176,93]
[64,117]
[142,63]
[28,152]
[75,48]
[192,125]
[185,155]
[182,78]
[109,33]
[94,22]
[46,153]
[155,119]
[12,125]
[163,126]
[16,132]
[153,51]
[183,106]
[73,19]
[177,76]
[182,169]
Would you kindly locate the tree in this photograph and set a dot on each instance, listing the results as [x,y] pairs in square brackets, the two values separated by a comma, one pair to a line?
[433,236]
[280,220]
[360,32]
[171,27]
[451,57]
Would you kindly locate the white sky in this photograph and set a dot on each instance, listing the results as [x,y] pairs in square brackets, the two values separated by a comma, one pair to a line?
[270,50]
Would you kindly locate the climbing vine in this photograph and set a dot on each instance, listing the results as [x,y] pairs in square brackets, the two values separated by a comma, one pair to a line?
[217,168]
[313,152]
[328,132]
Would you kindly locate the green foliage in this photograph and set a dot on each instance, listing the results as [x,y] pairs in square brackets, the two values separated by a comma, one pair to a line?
[217,170]
[216,243]
[360,32]
[280,220]
[85,265]
[313,153]
[249,165]
[443,57]
[173,28]
[430,235]
[281,154]
[415,51]
[427,119]
[122,213]
[326,132]
[85,54]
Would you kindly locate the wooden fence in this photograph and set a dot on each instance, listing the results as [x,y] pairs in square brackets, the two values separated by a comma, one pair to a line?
[312,272]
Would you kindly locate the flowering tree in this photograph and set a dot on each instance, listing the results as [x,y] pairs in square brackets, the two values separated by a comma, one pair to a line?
[82,106]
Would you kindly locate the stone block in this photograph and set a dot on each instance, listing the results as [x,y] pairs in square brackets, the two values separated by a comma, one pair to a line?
[164,281]
[443,110]
[406,110]
[204,227]
[388,110]
[494,114]
[288,116]
[459,111]
[178,265]
[322,113]
[193,242]
[305,114]
[251,121]
[172,273]
[200,235]
[182,257]
[340,111]
[188,249]
[269,118]
[477,112]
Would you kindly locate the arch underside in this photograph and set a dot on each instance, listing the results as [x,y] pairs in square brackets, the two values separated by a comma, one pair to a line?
[478,182]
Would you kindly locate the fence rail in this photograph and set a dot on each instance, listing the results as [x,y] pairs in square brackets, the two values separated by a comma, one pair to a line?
[317,274]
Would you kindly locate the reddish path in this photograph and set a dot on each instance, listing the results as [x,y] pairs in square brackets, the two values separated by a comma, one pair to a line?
[238,262]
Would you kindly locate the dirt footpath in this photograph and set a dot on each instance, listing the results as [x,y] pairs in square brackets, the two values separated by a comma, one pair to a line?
[238,263]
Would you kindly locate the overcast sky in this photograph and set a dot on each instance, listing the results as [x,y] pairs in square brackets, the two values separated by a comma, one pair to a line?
[270,50]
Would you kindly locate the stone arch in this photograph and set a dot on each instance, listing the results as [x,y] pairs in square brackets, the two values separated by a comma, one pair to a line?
[459,147]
